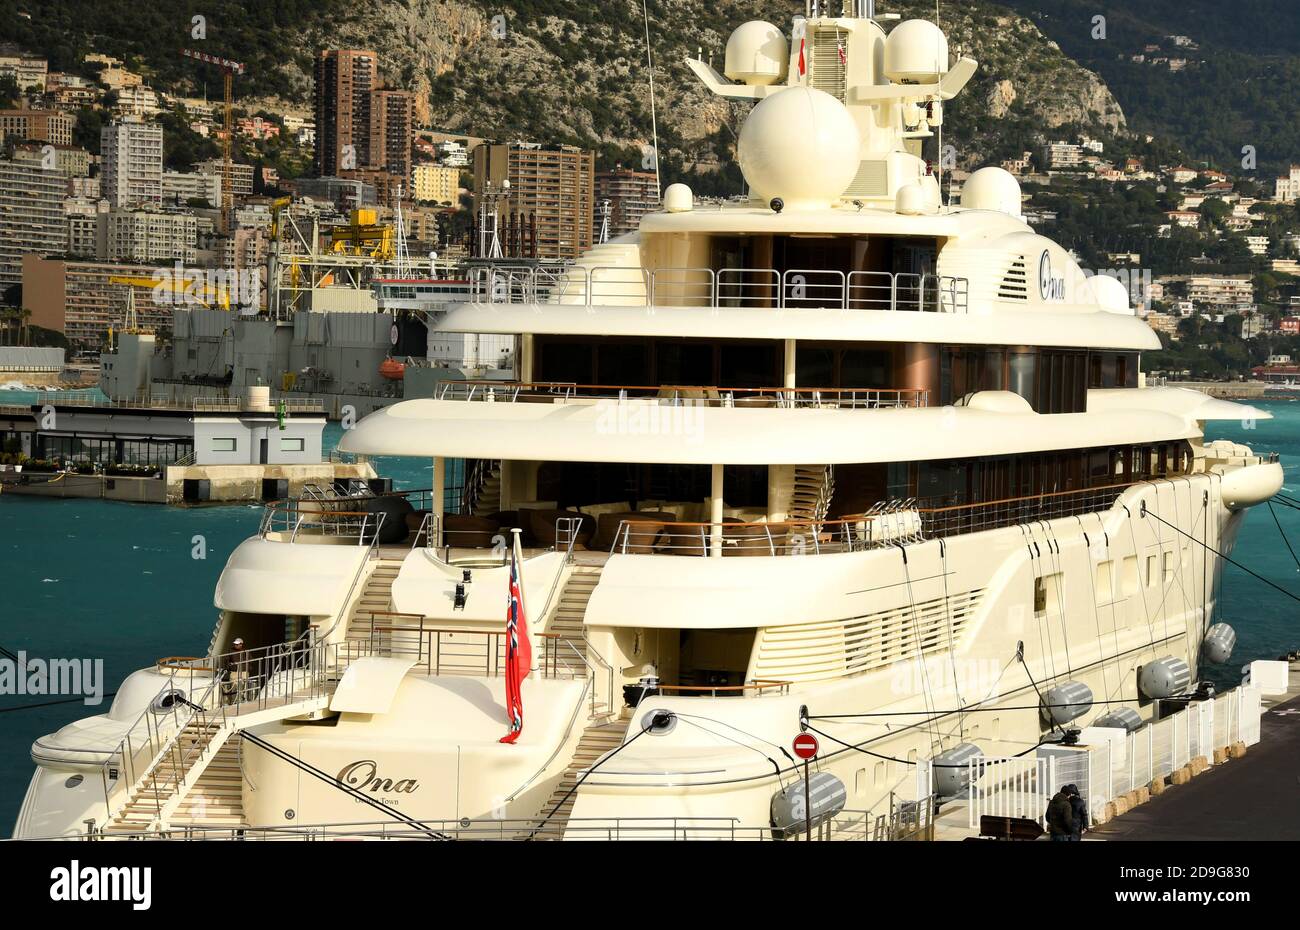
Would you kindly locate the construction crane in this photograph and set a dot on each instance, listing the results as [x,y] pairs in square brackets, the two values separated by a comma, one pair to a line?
[204,294]
[229,69]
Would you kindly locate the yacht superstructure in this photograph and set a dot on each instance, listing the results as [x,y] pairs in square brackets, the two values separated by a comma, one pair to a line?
[843,453]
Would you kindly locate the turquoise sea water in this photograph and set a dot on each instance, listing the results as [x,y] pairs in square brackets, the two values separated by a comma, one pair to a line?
[98,579]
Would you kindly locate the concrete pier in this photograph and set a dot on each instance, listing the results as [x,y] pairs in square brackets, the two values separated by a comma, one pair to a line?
[221,483]
[1256,797]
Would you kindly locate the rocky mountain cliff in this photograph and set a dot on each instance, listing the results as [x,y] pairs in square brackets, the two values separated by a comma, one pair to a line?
[575,71]
[558,70]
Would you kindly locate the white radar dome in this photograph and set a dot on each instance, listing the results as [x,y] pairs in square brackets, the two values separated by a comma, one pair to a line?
[992,189]
[916,52]
[678,198]
[757,54]
[799,145]
[1111,294]
[911,200]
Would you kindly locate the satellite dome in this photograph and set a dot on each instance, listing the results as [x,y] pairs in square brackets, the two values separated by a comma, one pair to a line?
[916,52]
[1111,294]
[757,54]
[801,145]
[678,198]
[992,189]
[911,200]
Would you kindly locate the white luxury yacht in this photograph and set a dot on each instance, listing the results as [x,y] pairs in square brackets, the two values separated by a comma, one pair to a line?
[843,455]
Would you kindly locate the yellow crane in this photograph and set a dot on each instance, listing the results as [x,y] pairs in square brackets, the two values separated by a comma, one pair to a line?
[228,69]
[194,290]
[364,235]
[277,206]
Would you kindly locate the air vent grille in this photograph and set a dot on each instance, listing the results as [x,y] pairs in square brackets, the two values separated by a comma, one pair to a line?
[816,651]
[1015,283]
[872,180]
[827,71]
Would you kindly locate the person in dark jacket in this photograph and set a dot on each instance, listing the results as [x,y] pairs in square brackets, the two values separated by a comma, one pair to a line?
[1079,809]
[1060,817]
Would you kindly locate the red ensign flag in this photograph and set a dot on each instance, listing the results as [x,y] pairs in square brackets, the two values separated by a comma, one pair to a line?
[519,652]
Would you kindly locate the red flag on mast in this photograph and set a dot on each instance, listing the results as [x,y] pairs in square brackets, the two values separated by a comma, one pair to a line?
[519,652]
[802,65]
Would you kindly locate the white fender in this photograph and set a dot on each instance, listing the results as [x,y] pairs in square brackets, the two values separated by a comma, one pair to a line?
[1251,484]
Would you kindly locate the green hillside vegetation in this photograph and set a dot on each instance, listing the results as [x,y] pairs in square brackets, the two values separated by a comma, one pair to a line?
[1238,88]
[149,35]
[567,71]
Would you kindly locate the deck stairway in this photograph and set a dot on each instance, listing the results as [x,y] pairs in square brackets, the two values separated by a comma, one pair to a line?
[217,798]
[567,619]
[814,486]
[485,489]
[600,737]
[155,800]
[376,597]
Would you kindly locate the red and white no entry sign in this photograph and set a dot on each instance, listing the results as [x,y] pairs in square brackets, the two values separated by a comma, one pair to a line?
[805,745]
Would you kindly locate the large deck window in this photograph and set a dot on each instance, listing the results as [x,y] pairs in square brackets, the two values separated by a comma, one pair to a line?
[870,365]
[638,362]
[1113,370]
[579,484]
[1052,380]
[960,482]
[107,450]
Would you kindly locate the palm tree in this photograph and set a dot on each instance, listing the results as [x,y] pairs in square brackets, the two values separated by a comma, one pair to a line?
[15,320]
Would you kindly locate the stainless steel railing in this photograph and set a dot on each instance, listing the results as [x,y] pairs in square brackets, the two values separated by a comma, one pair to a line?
[165,401]
[886,523]
[818,288]
[159,720]
[846,826]
[309,517]
[566,537]
[566,392]
[235,682]
[441,650]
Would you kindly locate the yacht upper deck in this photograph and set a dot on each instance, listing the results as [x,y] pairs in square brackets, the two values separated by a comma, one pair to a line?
[821,288]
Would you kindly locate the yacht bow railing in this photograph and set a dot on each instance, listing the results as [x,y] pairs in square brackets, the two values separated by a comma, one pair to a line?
[813,288]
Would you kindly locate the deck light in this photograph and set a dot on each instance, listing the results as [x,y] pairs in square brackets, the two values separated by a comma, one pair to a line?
[458,600]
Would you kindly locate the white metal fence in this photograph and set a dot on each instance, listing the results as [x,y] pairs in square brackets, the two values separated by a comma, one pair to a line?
[1109,768]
